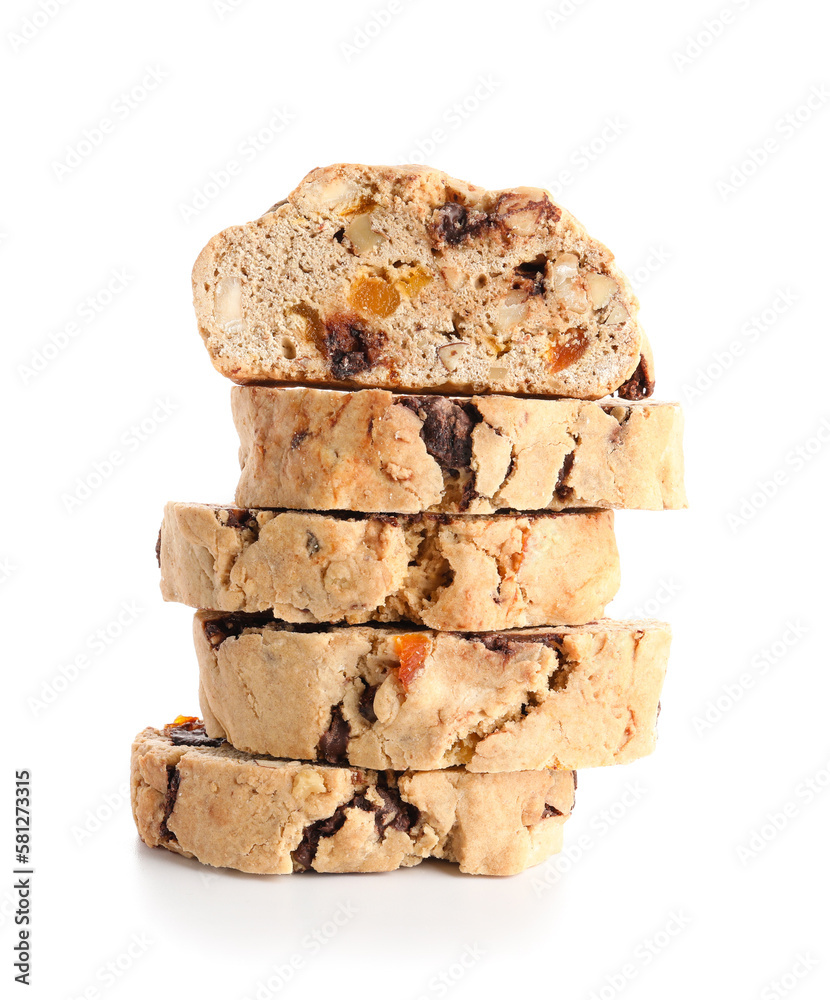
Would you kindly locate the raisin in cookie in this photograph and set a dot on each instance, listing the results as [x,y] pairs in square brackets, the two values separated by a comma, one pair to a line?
[202,799]
[405,278]
[523,699]
[372,450]
[481,572]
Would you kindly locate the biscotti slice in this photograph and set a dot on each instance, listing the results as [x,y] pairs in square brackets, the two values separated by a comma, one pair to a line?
[473,573]
[373,451]
[405,278]
[382,697]
[203,799]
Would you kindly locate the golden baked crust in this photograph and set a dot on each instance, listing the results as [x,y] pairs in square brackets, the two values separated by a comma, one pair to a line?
[570,697]
[483,572]
[372,450]
[256,814]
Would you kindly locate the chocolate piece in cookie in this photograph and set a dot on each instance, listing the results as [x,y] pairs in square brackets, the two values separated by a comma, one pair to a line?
[188,731]
[351,347]
[334,741]
[446,428]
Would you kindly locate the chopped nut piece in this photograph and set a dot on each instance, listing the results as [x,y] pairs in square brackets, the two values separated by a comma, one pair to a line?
[512,311]
[600,288]
[522,223]
[567,283]
[307,782]
[338,578]
[532,193]
[228,305]
[616,314]
[269,763]
[397,472]
[338,195]
[450,354]
[360,234]
[497,373]
[454,277]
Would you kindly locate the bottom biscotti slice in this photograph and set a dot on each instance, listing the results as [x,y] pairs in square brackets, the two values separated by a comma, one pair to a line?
[203,799]
[381,697]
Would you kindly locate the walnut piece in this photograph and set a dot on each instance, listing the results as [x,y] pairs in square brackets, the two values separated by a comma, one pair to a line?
[450,354]
[227,305]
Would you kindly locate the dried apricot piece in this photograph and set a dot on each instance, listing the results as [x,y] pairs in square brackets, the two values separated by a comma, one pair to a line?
[185,722]
[412,651]
[413,281]
[374,295]
[564,354]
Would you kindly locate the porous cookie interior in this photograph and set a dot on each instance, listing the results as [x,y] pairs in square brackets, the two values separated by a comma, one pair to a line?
[403,277]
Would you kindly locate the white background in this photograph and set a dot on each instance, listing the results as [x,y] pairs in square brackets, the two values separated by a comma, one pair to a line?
[678,881]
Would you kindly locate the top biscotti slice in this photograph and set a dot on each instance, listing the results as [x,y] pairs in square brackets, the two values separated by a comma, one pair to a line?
[407,279]
[375,451]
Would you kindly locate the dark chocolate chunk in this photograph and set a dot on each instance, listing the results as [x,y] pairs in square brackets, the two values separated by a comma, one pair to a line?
[351,348]
[550,810]
[366,705]
[297,439]
[304,853]
[508,204]
[173,779]
[453,223]
[312,543]
[335,740]
[468,494]
[498,642]
[562,491]
[191,734]
[232,625]
[446,429]
[640,385]
[560,677]
[394,812]
[530,276]
[240,517]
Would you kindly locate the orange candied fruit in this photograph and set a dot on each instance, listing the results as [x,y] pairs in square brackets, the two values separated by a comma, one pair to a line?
[413,281]
[184,722]
[567,352]
[412,651]
[374,295]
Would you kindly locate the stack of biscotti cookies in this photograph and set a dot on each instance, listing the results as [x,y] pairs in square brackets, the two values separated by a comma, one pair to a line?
[442,396]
